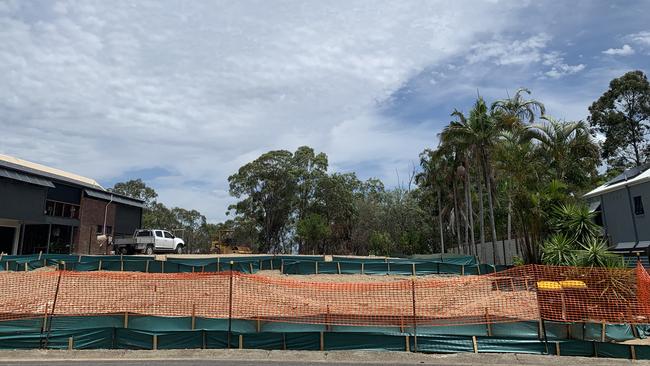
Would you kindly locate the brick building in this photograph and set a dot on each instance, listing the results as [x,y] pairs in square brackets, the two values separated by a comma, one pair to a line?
[49,210]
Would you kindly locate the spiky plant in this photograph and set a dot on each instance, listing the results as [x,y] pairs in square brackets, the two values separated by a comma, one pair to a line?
[559,250]
[575,221]
[594,253]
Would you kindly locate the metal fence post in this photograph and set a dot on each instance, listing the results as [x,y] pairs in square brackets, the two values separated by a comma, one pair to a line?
[230,307]
[49,323]
[415,323]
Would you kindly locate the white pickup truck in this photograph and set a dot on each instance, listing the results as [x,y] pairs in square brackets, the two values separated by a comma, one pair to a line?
[149,241]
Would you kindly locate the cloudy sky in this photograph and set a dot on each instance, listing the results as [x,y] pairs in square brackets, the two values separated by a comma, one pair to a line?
[182,93]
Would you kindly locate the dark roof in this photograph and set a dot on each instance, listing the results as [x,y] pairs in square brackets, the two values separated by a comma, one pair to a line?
[12,174]
[40,173]
[110,196]
[627,174]
[46,179]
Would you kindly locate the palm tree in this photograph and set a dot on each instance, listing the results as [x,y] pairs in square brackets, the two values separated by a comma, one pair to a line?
[479,133]
[518,163]
[514,111]
[571,154]
[438,172]
[517,109]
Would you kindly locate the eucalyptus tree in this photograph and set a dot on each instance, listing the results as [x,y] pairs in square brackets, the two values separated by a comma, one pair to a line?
[266,188]
[622,115]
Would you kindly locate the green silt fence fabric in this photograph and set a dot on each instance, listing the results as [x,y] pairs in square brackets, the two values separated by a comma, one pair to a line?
[363,341]
[120,338]
[443,344]
[133,339]
[183,340]
[500,345]
[435,264]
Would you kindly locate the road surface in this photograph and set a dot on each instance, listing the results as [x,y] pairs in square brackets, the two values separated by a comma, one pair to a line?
[288,358]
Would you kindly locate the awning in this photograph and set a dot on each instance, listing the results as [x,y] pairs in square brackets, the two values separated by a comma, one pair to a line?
[107,196]
[594,206]
[642,244]
[25,178]
[624,246]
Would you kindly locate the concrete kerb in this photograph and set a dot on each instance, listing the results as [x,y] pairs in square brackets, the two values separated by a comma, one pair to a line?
[360,357]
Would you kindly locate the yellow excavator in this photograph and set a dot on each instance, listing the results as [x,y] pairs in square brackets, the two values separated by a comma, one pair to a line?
[224,243]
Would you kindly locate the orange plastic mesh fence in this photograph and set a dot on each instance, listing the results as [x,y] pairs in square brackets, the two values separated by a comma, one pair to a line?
[522,293]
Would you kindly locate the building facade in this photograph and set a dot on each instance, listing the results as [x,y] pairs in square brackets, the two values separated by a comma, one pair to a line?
[52,211]
[620,208]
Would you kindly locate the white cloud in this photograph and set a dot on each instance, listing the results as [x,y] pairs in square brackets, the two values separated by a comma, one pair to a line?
[199,88]
[510,52]
[531,51]
[642,38]
[561,69]
[626,50]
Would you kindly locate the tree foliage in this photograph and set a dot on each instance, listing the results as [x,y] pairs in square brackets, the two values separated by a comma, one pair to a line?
[622,115]
[504,171]
[191,225]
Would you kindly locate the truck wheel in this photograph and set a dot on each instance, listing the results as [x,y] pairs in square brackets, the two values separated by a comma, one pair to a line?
[179,249]
[149,250]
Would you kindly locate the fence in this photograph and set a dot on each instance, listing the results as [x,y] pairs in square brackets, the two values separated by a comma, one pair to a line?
[505,251]
[431,264]
[518,294]
[498,312]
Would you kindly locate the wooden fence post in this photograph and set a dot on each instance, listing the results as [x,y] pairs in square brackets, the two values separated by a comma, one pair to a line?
[70,343]
[45,318]
[241,341]
[475,344]
[322,341]
[488,323]
[155,342]
[126,320]
[557,349]
[193,316]
[408,344]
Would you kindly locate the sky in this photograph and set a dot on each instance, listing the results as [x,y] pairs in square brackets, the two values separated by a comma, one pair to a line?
[183,93]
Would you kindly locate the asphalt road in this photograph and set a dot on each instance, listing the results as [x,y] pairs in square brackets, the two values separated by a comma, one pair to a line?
[288,358]
[186,363]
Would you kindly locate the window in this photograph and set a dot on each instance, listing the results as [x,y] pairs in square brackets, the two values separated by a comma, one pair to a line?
[100,229]
[168,235]
[159,233]
[144,233]
[61,209]
[638,206]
